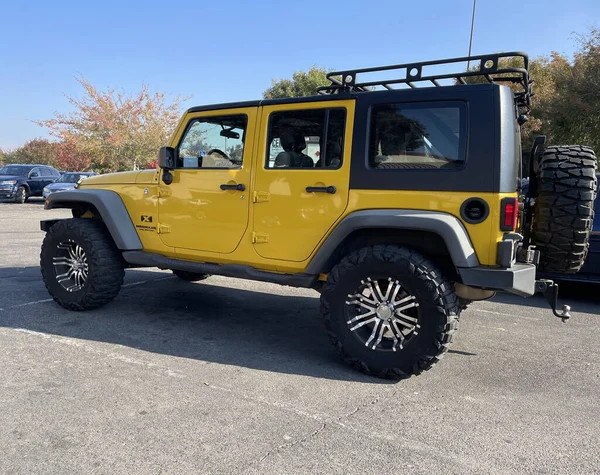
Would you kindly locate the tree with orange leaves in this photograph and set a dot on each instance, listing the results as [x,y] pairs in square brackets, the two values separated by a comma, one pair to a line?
[112,131]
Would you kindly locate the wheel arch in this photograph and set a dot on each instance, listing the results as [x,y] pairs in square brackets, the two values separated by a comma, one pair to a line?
[105,205]
[439,236]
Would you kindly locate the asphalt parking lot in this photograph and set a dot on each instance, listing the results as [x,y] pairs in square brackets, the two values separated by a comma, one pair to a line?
[231,376]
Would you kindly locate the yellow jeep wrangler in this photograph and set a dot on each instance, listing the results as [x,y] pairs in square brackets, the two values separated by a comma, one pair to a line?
[396,198]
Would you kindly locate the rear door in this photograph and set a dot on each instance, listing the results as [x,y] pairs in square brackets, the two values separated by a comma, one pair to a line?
[47,176]
[302,176]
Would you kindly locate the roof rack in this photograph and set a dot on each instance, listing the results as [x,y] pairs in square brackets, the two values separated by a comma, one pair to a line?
[491,68]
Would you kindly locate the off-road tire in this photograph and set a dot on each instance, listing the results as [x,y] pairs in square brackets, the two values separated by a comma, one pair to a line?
[21,195]
[564,207]
[106,267]
[438,310]
[190,276]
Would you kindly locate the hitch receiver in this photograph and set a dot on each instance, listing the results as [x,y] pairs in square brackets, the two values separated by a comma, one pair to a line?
[550,290]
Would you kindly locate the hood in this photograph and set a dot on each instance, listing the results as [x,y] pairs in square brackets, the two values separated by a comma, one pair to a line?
[60,186]
[121,178]
[10,177]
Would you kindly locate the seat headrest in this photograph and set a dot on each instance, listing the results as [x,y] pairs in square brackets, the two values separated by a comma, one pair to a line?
[299,142]
[286,139]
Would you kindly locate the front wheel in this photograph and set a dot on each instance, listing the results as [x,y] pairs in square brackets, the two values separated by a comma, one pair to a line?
[81,266]
[21,195]
[389,311]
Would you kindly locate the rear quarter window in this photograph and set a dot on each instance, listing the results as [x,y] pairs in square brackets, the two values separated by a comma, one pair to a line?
[417,136]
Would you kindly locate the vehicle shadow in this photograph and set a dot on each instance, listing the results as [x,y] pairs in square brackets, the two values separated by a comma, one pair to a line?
[261,330]
[33,200]
[581,296]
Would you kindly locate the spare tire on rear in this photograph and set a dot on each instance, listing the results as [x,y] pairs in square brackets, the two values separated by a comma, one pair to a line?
[564,207]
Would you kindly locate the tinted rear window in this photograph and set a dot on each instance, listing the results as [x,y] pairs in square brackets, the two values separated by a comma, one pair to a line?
[418,136]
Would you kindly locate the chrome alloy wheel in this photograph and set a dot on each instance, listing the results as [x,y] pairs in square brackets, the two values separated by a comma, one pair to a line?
[70,265]
[383,318]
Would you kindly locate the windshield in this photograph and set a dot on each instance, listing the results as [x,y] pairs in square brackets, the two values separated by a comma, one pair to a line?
[14,170]
[70,178]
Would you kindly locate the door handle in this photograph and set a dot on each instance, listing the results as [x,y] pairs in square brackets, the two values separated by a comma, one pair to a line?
[321,189]
[238,187]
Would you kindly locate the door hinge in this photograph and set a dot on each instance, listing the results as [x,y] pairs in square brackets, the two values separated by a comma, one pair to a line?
[260,238]
[163,192]
[260,196]
[164,229]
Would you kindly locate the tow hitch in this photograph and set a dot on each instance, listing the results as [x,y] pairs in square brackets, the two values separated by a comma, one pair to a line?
[550,290]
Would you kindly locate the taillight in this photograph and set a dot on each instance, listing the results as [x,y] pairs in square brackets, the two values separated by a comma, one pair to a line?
[509,214]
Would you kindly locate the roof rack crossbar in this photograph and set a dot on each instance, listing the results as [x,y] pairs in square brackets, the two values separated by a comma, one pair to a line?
[487,68]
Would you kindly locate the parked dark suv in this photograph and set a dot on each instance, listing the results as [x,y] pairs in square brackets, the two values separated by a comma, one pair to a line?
[20,182]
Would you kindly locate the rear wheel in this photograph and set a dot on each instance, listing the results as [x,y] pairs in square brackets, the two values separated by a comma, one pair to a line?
[21,195]
[190,276]
[389,311]
[564,207]
[81,266]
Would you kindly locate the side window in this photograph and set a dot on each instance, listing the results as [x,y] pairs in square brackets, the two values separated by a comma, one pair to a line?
[417,136]
[213,142]
[306,139]
[35,172]
[46,172]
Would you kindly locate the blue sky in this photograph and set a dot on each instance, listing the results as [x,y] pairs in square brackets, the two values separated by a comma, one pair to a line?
[230,50]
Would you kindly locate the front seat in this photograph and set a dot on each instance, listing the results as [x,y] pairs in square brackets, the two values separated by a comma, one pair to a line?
[292,143]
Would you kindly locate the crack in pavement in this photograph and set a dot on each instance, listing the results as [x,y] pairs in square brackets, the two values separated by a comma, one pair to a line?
[362,406]
[324,419]
[291,444]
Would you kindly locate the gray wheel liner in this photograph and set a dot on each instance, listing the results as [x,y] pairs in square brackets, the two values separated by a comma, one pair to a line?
[111,208]
[448,227]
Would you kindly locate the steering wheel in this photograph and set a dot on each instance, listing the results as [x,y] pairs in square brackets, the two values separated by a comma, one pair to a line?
[220,152]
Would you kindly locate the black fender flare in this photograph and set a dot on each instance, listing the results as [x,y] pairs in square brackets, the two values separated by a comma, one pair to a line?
[447,226]
[108,205]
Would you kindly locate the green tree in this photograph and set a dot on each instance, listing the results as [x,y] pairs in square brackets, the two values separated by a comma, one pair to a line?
[39,151]
[566,95]
[567,100]
[303,83]
[116,131]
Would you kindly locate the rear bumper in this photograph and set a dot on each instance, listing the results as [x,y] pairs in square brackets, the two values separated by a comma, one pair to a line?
[518,279]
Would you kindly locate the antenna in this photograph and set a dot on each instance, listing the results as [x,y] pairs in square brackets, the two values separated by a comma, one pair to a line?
[471,36]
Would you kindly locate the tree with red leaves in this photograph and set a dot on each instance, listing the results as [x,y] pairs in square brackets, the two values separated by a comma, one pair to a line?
[111,131]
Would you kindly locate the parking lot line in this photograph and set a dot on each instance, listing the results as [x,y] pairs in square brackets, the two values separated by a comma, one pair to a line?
[99,351]
[505,314]
[132,284]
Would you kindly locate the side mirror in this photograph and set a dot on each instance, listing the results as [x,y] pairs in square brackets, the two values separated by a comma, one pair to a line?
[34,175]
[166,158]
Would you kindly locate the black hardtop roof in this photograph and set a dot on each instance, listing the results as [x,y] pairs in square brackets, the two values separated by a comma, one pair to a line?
[325,97]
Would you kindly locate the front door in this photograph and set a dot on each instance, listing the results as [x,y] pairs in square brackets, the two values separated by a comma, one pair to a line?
[35,181]
[205,208]
[302,176]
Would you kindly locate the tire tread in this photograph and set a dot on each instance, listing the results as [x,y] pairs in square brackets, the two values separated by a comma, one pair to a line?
[441,288]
